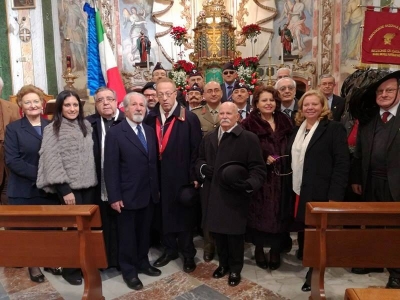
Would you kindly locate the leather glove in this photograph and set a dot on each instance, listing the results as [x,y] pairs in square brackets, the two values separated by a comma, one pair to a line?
[207,171]
[242,186]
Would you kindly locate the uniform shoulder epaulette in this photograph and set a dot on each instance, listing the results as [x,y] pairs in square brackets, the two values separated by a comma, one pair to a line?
[197,107]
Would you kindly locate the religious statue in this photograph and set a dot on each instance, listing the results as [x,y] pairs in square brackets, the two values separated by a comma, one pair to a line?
[286,39]
[143,44]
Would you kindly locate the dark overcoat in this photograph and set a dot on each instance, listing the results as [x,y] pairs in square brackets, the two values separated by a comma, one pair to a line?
[225,210]
[22,144]
[265,207]
[95,120]
[176,167]
[326,166]
[362,156]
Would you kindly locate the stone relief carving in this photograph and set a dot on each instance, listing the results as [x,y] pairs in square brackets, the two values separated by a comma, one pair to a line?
[326,36]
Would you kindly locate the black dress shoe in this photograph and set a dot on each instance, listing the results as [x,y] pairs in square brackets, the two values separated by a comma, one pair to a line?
[164,260]
[150,271]
[54,271]
[234,279]
[220,272]
[362,271]
[261,259]
[287,244]
[39,277]
[299,254]
[73,280]
[189,265]
[134,283]
[274,260]
[208,257]
[306,287]
[393,283]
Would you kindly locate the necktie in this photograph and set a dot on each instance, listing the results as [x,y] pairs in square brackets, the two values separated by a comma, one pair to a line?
[214,115]
[141,137]
[385,116]
[241,111]
[287,111]
[230,90]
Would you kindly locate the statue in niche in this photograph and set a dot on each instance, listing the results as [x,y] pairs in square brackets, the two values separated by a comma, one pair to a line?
[286,39]
[143,44]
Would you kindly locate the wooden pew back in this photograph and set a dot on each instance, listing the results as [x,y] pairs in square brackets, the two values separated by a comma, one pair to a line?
[27,240]
[328,244]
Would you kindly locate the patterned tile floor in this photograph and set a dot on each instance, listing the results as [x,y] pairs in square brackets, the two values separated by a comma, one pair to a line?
[283,283]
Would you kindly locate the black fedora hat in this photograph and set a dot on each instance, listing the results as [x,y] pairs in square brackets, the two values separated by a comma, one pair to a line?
[188,195]
[362,97]
[231,172]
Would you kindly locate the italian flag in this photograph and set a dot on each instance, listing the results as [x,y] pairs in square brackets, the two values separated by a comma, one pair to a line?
[108,64]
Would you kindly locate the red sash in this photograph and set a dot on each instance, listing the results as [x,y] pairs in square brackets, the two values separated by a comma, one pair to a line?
[163,139]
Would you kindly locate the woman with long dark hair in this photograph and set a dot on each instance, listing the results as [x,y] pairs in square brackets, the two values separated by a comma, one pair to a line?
[265,222]
[66,164]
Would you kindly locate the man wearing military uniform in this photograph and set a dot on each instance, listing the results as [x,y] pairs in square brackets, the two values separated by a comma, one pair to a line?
[194,96]
[208,116]
[208,113]
[240,96]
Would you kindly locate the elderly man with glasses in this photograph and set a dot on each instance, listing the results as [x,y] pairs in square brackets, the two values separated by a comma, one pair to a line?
[286,88]
[178,135]
[107,115]
[229,75]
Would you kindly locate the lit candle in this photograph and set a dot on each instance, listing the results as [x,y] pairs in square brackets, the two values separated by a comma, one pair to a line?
[148,62]
[269,49]
[172,50]
[282,55]
[68,61]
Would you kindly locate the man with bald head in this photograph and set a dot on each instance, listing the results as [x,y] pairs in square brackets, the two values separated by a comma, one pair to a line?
[208,113]
[229,178]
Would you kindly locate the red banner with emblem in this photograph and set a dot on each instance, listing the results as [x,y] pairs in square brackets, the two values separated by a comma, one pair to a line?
[381,38]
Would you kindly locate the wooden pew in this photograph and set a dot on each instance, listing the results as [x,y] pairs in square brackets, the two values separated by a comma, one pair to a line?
[372,294]
[81,248]
[328,244]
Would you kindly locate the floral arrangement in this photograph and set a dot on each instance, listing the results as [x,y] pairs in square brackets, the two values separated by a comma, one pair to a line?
[179,71]
[178,34]
[246,69]
[251,31]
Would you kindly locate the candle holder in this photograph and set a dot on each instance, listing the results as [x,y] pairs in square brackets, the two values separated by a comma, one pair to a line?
[69,78]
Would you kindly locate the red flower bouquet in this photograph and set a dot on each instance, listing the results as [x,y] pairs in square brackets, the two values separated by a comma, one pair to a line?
[178,34]
[246,69]
[251,31]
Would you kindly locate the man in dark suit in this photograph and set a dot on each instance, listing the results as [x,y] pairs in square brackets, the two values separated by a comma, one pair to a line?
[336,103]
[375,169]
[178,136]
[287,73]
[229,75]
[107,115]
[225,207]
[131,177]
[240,96]
[286,88]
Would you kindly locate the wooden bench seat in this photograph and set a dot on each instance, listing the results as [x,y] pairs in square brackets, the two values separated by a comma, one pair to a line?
[329,243]
[27,243]
[372,294]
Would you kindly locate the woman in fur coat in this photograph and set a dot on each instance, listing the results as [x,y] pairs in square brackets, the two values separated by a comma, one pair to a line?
[265,222]
[66,164]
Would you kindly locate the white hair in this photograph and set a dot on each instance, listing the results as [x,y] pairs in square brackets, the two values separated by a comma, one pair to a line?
[284,69]
[127,99]
[276,86]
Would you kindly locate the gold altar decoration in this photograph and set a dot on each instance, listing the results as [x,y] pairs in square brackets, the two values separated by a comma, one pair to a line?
[214,36]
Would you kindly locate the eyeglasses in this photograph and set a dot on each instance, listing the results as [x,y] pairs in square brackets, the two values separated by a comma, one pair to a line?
[102,100]
[283,88]
[33,102]
[229,72]
[167,94]
[150,95]
[277,165]
[387,91]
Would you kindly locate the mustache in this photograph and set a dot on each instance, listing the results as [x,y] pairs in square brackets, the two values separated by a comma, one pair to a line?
[225,121]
